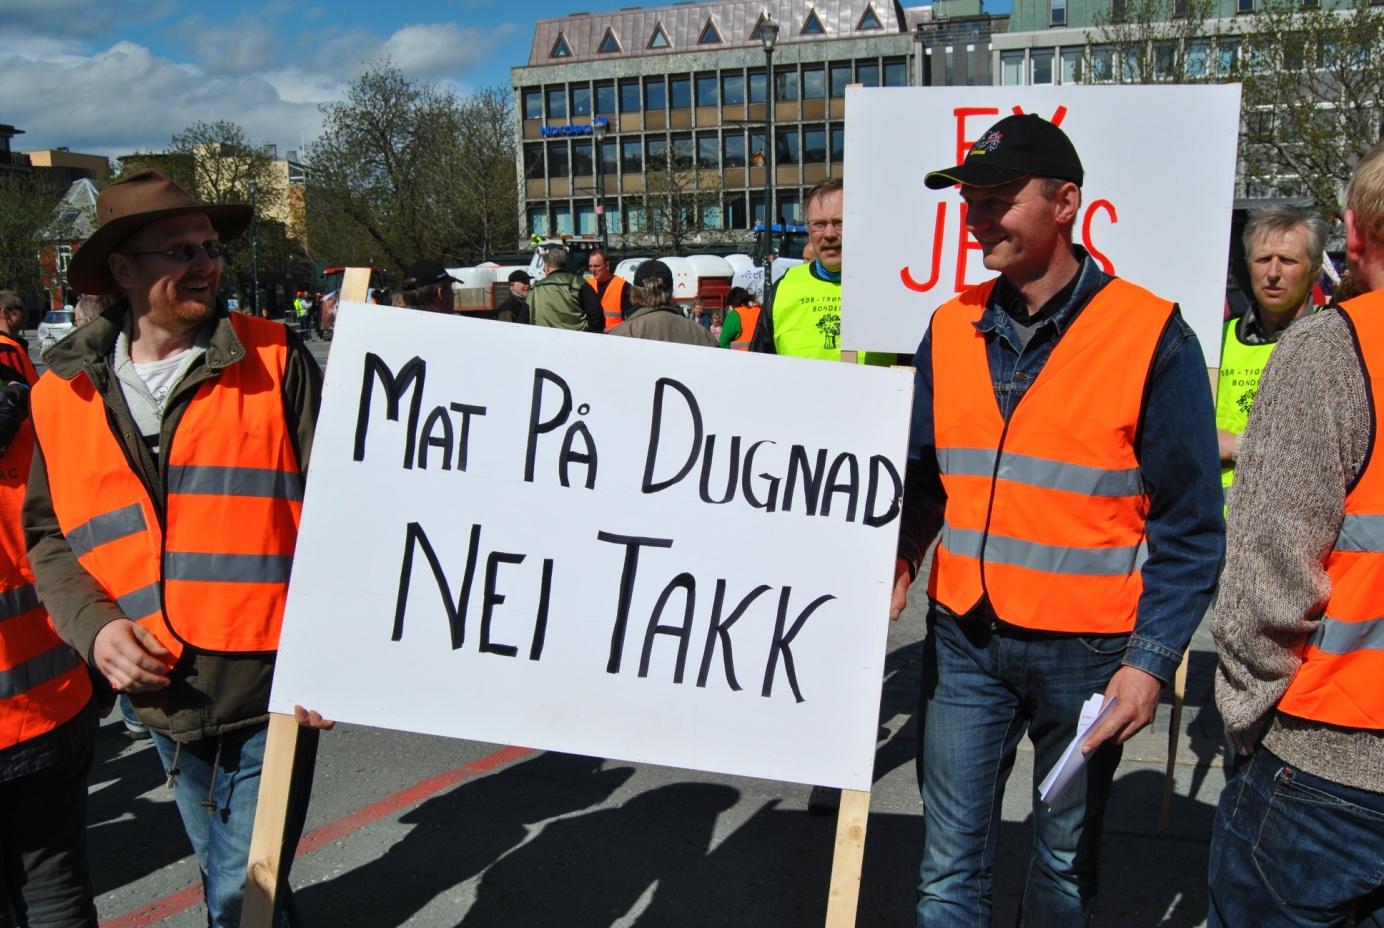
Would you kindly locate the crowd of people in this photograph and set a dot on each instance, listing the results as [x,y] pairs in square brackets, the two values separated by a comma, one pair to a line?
[1083,497]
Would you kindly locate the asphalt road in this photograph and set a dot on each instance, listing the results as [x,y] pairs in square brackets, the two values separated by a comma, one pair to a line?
[422,831]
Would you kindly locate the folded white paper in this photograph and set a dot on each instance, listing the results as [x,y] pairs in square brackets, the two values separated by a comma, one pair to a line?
[1093,711]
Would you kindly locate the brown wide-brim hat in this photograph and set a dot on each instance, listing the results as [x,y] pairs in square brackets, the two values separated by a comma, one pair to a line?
[128,205]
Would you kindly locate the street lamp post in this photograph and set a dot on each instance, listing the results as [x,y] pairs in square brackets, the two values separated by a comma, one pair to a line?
[598,134]
[254,249]
[768,34]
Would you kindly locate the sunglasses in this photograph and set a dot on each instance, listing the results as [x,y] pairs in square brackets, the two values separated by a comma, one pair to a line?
[186,252]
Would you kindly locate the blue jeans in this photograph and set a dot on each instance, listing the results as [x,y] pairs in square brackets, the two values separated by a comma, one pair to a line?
[216,785]
[982,689]
[1292,849]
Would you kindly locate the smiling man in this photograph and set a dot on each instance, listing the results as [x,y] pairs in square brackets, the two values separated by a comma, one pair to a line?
[163,505]
[1064,447]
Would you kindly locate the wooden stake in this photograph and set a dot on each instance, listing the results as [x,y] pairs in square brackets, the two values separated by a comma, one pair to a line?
[1174,730]
[355,284]
[271,815]
[849,856]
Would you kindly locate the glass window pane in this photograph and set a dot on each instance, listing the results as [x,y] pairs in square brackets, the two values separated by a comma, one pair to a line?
[1042,66]
[1058,9]
[867,73]
[786,207]
[656,152]
[557,103]
[608,160]
[562,219]
[785,83]
[680,92]
[1072,59]
[895,73]
[758,156]
[733,150]
[533,161]
[814,82]
[533,103]
[558,164]
[732,88]
[655,94]
[635,220]
[758,89]
[786,150]
[605,99]
[814,145]
[838,144]
[1012,68]
[735,212]
[708,150]
[631,156]
[1227,53]
[538,220]
[629,96]
[586,218]
[682,151]
[613,218]
[840,77]
[1102,63]
[1199,58]
[581,101]
[581,159]
[707,87]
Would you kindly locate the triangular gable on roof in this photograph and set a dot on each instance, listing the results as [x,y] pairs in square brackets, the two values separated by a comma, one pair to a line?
[710,34]
[560,48]
[869,20]
[74,218]
[755,33]
[610,45]
[812,25]
[660,38]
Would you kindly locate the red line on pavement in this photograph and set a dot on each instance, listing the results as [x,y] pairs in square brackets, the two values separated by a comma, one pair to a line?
[183,899]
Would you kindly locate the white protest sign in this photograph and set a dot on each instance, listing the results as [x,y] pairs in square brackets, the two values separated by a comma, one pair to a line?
[599,545]
[1156,200]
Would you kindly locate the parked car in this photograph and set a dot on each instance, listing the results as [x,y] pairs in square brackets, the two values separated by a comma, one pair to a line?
[54,327]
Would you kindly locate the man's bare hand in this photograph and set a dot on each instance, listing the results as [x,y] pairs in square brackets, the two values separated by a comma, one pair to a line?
[311,718]
[903,579]
[131,657]
[1138,694]
[1229,444]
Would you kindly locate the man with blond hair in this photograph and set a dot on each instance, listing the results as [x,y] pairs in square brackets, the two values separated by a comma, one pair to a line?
[1299,835]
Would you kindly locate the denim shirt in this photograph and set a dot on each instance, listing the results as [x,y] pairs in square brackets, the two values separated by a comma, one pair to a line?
[1175,445]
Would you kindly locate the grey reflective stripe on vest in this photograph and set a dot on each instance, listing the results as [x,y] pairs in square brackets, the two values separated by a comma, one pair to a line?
[1336,637]
[36,671]
[1052,559]
[227,568]
[18,601]
[105,528]
[209,480]
[1361,533]
[139,603]
[1041,472]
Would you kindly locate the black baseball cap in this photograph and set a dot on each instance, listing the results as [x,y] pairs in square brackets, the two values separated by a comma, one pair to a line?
[520,276]
[1016,146]
[654,273]
[425,273]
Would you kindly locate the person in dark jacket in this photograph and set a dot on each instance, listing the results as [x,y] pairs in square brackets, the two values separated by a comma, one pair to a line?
[655,317]
[515,307]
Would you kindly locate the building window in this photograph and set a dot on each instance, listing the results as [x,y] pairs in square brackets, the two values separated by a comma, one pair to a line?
[581,159]
[707,87]
[629,96]
[1011,68]
[538,221]
[636,218]
[758,155]
[609,44]
[586,218]
[562,219]
[656,153]
[708,151]
[655,94]
[533,103]
[710,35]
[895,73]
[533,162]
[1164,60]
[867,73]
[812,25]
[869,20]
[612,217]
[735,212]
[840,77]
[558,163]
[786,205]
[838,143]
[682,152]
[786,84]
[660,38]
[1042,66]
[605,99]
[1057,12]
[757,32]
[1227,55]
[814,82]
[759,89]
[732,88]
[581,100]
[814,145]
[733,149]
[1102,62]
[680,92]
[786,147]
[1072,65]
[557,103]
[560,48]
[1198,58]
[632,156]
[608,159]
[1244,6]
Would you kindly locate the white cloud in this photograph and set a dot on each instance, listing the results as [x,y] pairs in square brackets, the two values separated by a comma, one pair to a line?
[79,19]
[244,46]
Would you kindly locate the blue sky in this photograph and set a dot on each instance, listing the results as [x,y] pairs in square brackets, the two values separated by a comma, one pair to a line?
[114,77]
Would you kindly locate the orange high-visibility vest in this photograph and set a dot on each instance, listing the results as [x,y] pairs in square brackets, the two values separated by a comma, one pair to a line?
[207,565]
[749,318]
[43,683]
[1045,515]
[610,300]
[1338,681]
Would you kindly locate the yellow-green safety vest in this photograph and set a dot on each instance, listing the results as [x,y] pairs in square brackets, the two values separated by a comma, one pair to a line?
[1241,367]
[807,318]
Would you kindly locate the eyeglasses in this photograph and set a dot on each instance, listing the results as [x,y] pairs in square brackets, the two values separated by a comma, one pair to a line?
[820,225]
[186,252]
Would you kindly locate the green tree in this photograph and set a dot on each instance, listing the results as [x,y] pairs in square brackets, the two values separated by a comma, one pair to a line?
[406,170]
[26,210]
[1154,42]
[678,208]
